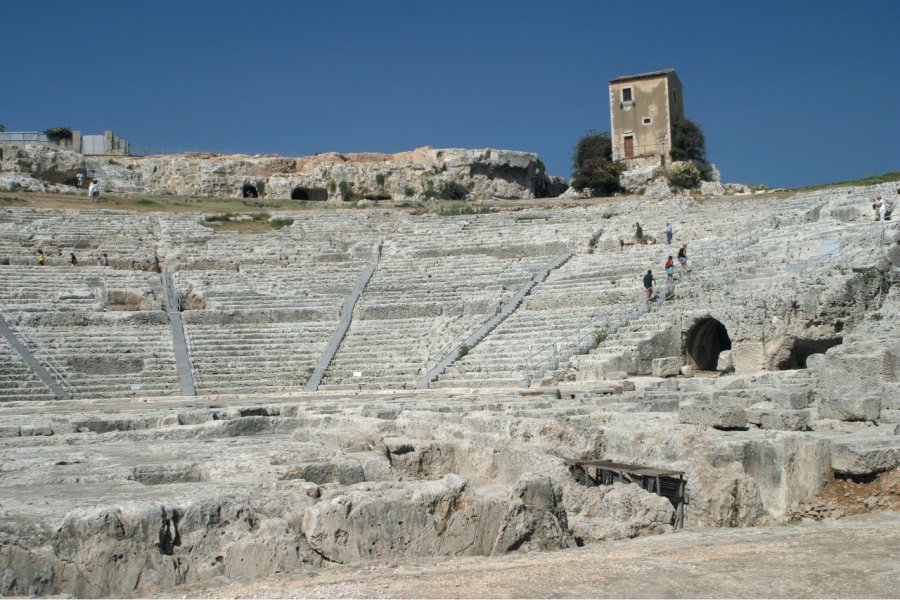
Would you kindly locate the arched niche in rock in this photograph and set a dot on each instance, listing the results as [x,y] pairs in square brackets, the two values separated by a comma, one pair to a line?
[705,340]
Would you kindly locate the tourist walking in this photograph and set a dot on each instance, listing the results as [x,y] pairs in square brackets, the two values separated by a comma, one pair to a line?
[882,208]
[682,260]
[638,234]
[648,284]
[72,259]
[669,234]
[670,269]
[41,257]
[103,260]
[94,190]
[79,181]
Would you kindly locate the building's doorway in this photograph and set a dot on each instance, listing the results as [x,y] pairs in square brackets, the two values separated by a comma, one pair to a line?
[629,146]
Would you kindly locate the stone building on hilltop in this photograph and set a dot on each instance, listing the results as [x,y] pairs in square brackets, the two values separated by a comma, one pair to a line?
[642,109]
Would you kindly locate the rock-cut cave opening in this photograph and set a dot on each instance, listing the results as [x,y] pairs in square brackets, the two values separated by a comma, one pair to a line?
[706,339]
[309,193]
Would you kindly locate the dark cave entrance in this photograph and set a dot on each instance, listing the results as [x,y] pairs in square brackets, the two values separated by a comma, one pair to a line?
[799,349]
[705,340]
[249,191]
[307,193]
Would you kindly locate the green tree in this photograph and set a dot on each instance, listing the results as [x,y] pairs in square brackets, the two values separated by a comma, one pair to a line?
[594,167]
[688,142]
[592,145]
[2,127]
[59,133]
[599,175]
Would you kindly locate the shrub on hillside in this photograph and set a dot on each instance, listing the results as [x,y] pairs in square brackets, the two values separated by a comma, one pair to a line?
[594,168]
[451,190]
[599,175]
[685,176]
[592,145]
[688,142]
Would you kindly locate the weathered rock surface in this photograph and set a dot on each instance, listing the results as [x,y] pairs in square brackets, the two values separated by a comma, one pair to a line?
[720,417]
[132,489]
[850,408]
[486,173]
[864,456]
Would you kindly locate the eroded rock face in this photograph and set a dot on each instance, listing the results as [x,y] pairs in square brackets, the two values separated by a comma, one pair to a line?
[486,174]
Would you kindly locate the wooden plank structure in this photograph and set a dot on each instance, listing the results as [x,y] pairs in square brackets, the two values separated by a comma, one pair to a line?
[662,482]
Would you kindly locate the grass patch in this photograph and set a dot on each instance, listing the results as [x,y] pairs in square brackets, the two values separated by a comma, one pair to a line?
[245,223]
[12,200]
[452,210]
[869,180]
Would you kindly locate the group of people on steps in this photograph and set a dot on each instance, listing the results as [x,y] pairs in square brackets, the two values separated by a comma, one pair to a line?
[669,267]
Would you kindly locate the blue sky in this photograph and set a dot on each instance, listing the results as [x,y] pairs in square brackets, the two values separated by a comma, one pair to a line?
[787,93]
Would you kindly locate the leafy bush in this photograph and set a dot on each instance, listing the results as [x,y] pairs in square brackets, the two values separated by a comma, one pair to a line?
[685,176]
[592,145]
[379,180]
[408,191]
[688,142]
[594,168]
[463,350]
[599,175]
[344,187]
[58,133]
[600,336]
[451,190]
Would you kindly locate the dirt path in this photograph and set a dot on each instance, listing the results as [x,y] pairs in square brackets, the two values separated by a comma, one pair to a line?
[854,557]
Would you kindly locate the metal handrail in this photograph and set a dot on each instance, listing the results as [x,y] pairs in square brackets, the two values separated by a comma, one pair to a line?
[37,350]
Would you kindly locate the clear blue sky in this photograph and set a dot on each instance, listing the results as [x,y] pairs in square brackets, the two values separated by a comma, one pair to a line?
[787,93]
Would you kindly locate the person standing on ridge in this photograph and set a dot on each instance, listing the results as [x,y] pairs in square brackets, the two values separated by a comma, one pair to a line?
[669,234]
[41,257]
[638,234]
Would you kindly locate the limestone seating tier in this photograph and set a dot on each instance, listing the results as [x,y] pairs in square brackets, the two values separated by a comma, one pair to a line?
[17,381]
[127,238]
[256,357]
[259,288]
[31,289]
[113,359]
[449,297]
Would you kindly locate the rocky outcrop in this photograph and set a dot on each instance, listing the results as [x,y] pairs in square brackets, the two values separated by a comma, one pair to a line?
[421,173]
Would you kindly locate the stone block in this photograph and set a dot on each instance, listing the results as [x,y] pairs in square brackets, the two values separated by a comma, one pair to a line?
[665,367]
[707,415]
[322,472]
[784,419]
[726,361]
[864,456]
[10,431]
[614,375]
[850,408]
[687,371]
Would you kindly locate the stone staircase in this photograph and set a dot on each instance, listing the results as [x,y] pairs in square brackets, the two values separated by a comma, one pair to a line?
[415,309]
[17,380]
